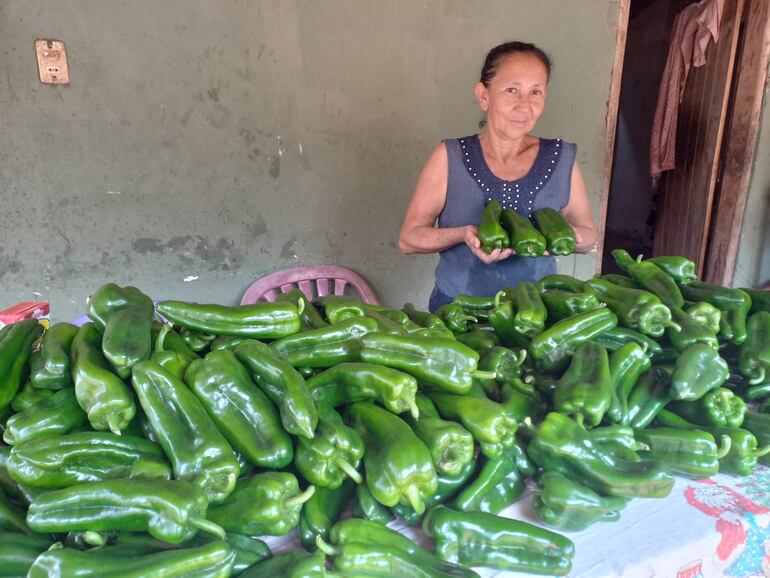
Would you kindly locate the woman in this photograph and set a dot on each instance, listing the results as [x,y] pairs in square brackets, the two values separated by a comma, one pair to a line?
[503,162]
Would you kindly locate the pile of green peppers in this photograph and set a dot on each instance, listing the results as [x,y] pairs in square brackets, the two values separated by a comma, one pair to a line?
[169,438]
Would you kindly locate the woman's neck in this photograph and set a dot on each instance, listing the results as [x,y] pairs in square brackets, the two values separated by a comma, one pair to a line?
[503,149]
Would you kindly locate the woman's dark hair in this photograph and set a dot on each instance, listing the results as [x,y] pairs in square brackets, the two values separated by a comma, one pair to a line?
[495,55]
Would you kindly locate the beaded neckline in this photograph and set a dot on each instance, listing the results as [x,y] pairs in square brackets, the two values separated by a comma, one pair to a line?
[518,194]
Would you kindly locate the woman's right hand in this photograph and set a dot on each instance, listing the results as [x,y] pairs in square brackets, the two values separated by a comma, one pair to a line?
[471,239]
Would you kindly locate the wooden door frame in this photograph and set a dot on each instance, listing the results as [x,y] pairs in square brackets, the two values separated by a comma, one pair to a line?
[739,143]
[611,123]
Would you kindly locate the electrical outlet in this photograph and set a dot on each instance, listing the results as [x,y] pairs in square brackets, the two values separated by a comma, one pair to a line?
[52,62]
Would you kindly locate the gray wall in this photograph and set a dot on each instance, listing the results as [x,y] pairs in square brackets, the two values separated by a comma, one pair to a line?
[204,143]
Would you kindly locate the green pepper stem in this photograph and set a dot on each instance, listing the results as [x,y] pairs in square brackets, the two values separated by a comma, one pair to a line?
[521,357]
[414,411]
[113,421]
[478,374]
[300,498]
[462,318]
[412,493]
[760,377]
[529,378]
[672,324]
[349,470]
[208,526]
[724,447]
[300,306]
[94,538]
[159,341]
[325,547]
[758,453]
[579,418]
[498,296]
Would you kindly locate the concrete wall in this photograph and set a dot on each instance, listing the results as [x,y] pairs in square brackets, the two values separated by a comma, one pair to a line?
[204,143]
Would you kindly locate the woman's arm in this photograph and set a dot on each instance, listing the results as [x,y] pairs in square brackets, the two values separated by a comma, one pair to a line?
[578,213]
[418,232]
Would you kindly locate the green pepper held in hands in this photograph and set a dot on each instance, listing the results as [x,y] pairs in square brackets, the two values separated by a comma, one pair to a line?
[437,361]
[568,505]
[103,395]
[525,239]
[559,235]
[197,450]
[265,503]
[16,342]
[172,511]
[585,390]
[718,407]
[283,384]
[690,453]
[257,321]
[754,352]
[491,233]
[399,467]
[240,410]
[481,539]
[51,369]
[333,455]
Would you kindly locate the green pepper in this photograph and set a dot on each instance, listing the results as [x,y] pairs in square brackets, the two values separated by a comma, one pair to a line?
[384,324]
[560,282]
[614,339]
[326,346]
[18,552]
[399,467]
[760,299]
[559,235]
[449,443]
[734,305]
[294,564]
[531,314]
[226,342]
[59,461]
[636,309]
[455,318]
[333,455]
[198,452]
[475,305]
[198,341]
[256,321]
[214,559]
[551,349]
[448,487]
[651,278]
[165,355]
[265,503]
[322,511]
[571,506]
[693,453]
[480,340]
[585,390]
[498,484]
[562,304]
[503,320]
[617,440]
[680,269]
[337,308]
[690,332]
[699,369]
[481,539]
[427,320]
[57,414]
[366,507]
[525,239]
[705,314]
[560,444]
[12,518]
[310,317]
[621,280]
[244,415]
[627,364]
[437,361]
[490,232]
[8,485]
[396,316]
[486,420]
[51,368]
[167,339]
[754,352]
[649,396]
[16,342]
[103,395]
[285,387]
[519,403]
[351,382]
[504,362]
[172,511]
[718,407]
[29,395]
[759,425]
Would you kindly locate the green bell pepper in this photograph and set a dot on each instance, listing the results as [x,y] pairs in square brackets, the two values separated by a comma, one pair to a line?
[322,511]
[699,369]
[51,369]
[480,340]
[759,425]
[718,407]
[504,362]
[705,314]
[651,278]
[241,411]
[18,552]
[690,453]
[198,341]
[294,564]
[503,320]
[760,299]
[559,235]
[571,506]
[734,305]
[366,507]
[60,461]
[310,317]
[524,238]
[12,518]
[198,452]
[614,339]
[327,346]
[690,332]
[627,364]
[490,232]
[29,395]
[283,384]
[531,314]
[58,414]
[621,280]
[399,467]
[427,320]
[265,503]
[561,304]
[481,539]
[455,318]
[649,396]
[16,342]
[498,484]
[680,269]
[586,388]
[257,321]
[560,282]
[754,352]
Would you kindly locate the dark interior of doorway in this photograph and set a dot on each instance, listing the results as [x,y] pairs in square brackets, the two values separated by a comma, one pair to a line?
[632,196]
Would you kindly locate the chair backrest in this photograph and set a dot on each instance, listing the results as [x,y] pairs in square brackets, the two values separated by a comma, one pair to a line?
[312,281]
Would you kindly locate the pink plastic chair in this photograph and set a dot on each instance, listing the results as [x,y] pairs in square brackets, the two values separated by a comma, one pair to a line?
[312,281]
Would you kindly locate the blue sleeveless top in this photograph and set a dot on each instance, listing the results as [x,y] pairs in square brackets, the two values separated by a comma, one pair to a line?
[470,186]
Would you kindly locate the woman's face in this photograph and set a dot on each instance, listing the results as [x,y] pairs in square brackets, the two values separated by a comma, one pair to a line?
[515,97]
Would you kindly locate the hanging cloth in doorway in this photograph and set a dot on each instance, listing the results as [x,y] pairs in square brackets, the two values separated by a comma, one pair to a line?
[693,29]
